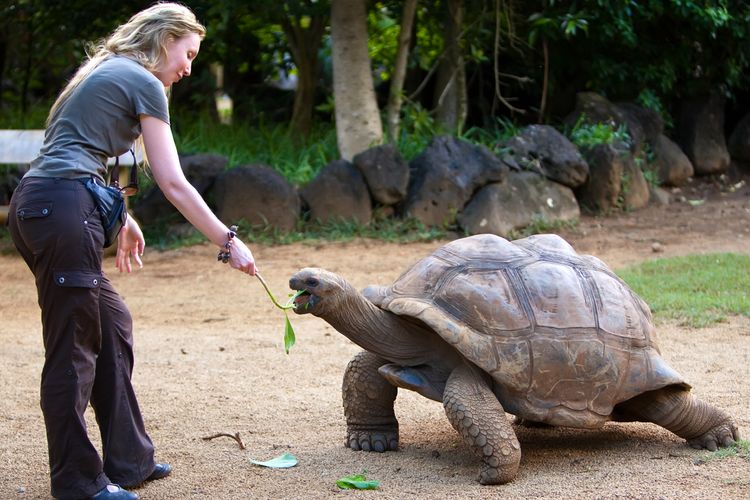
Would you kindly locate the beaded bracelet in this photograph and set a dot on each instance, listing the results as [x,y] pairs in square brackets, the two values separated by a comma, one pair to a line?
[227,251]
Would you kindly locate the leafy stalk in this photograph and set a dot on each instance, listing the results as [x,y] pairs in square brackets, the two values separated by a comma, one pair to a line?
[289,337]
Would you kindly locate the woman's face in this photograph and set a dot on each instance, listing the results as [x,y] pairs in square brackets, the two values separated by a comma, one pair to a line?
[180,54]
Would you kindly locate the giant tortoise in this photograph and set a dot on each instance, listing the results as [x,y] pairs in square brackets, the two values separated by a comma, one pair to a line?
[489,326]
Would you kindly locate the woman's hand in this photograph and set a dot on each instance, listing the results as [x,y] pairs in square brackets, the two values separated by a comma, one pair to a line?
[130,241]
[241,258]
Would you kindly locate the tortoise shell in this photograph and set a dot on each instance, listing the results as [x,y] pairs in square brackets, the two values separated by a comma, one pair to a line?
[563,337]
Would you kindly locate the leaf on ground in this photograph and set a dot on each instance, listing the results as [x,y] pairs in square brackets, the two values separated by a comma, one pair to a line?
[357,482]
[281,462]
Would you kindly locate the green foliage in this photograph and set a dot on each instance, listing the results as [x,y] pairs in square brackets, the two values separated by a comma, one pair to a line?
[651,176]
[493,137]
[697,290]
[34,117]
[630,50]
[418,127]
[740,449]
[540,225]
[267,144]
[383,30]
[568,24]
[586,135]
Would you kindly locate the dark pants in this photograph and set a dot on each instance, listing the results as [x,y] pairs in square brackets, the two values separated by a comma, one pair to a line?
[88,340]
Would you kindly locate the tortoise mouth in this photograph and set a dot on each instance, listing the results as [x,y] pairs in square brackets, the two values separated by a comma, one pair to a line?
[304,302]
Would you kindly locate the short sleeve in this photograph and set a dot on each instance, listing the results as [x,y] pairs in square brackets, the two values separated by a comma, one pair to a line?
[151,100]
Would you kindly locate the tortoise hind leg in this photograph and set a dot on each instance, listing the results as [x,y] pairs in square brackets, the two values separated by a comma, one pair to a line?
[477,415]
[677,410]
[371,423]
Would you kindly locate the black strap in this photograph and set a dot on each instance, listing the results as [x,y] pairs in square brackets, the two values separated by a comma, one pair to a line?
[114,176]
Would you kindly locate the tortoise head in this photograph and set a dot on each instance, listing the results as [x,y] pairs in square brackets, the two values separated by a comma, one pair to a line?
[321,291]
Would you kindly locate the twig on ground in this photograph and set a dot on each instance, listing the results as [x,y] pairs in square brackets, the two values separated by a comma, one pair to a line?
[235,436]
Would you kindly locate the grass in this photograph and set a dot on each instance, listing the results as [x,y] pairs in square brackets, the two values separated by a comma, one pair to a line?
[267,144]
[740,449]
[697,290]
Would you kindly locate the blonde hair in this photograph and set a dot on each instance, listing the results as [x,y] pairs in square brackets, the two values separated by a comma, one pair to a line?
[143,38]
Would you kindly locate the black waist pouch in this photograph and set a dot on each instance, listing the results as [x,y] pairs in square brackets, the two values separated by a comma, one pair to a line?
[111,206]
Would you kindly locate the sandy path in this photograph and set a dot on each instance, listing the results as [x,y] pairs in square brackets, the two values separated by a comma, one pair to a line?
[210,359]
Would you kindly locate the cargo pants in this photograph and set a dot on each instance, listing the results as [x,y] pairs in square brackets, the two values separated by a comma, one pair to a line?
[88,341]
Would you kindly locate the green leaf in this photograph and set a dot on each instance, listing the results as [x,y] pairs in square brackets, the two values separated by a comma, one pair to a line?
[281,462]
[289,337]
[290,303]
[357,482]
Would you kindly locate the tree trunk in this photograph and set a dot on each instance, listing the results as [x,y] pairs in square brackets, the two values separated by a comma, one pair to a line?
[395,97]
[450,90]
[358,125]
[304,44]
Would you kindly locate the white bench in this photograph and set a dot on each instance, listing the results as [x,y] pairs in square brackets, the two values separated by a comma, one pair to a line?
[19,147]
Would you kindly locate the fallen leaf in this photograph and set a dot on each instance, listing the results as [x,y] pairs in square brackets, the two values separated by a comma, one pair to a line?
[357,482]
[281,462]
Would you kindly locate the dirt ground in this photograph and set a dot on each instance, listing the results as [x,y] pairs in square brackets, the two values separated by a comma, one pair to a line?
[210,359]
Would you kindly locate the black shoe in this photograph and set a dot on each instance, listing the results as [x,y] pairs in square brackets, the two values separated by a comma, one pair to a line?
[160,471]
[114,492]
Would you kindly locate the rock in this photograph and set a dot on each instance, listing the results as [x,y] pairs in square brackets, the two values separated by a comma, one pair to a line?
[338,193]
[258,195]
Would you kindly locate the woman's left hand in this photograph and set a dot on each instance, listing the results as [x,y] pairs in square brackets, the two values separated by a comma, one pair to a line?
[130,242]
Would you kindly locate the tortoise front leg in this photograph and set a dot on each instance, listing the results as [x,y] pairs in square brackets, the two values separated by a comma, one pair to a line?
[371,423]
[677,410]
[477,415]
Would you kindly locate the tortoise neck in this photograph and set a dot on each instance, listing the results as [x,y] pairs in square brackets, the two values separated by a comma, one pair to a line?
[380,332]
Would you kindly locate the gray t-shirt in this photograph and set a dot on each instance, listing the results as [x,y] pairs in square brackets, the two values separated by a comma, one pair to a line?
[100,120]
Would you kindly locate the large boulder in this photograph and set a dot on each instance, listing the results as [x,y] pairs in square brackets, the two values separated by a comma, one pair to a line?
[593,108]
[649,121]
[522,199]
[257,194]
[386,173]
[543,149]
[671,164]
[701,134]
[200,170]
[635,191]
[615,181]
[338,193]
[445,176]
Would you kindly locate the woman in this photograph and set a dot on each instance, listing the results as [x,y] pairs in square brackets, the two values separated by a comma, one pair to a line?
[117,95]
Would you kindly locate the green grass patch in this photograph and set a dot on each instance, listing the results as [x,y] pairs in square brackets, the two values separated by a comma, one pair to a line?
[696,290]
[268,144]
[740,449]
